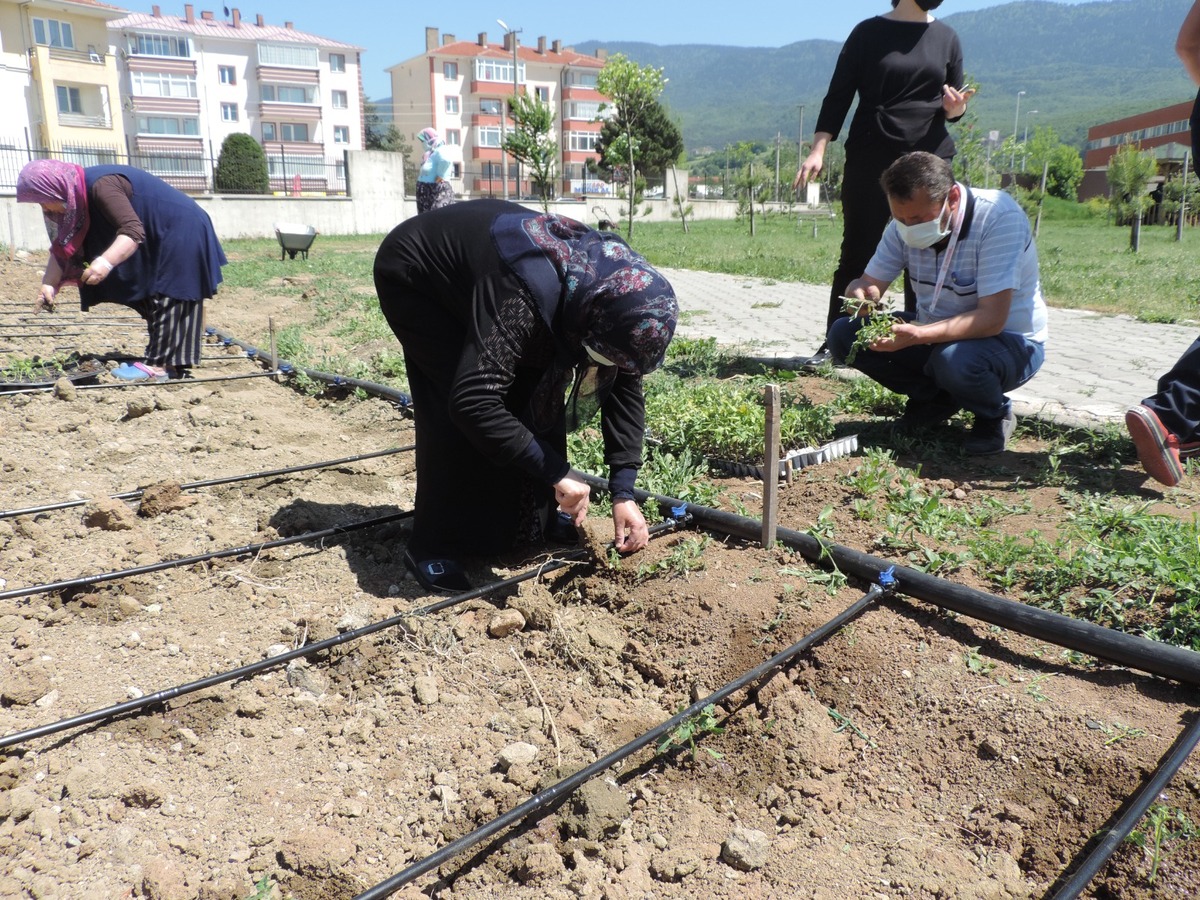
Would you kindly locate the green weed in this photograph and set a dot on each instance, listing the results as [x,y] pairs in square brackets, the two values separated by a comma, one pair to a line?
[690,729]
[1164,825]
[976,663]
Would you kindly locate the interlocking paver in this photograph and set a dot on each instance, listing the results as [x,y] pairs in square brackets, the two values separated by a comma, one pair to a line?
[1096,366]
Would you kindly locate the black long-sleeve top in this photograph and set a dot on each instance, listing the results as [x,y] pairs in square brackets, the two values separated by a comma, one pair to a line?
[897,69]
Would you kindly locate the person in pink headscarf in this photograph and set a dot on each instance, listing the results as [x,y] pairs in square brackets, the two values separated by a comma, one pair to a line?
[124,236]
[433,180]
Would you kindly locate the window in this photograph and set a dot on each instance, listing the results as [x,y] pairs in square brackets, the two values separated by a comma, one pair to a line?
[287,55]
[588,111]
[582,79]
[288,93]
[293,131]
[229,112]
[227,74]
[53,33]
[582,140]
[158,45]
[339,99]
[487,135]
[341,134]
[450,71]
[170,125]
[68,99]
[337,62]
[497,70]
[452,105]
[543,94]
[162,84]
[268,129]
[490,107]
[453,137]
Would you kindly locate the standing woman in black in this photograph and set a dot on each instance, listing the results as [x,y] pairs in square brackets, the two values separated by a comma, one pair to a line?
[906,68]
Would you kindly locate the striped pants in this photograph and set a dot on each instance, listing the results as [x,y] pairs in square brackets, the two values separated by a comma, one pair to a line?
[176,330]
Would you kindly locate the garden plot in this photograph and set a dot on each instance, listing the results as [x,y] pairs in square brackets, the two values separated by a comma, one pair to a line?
[914,753]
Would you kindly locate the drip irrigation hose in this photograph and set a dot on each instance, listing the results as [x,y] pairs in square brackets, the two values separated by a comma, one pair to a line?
[129,706]
[1145,797]
[371,387]
[228,479]
[561,789]
[88,580]
[145,383]
[1143,654]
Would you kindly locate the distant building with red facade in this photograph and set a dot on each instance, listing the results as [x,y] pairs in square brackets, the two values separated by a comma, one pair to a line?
[1165,131]
[461,88]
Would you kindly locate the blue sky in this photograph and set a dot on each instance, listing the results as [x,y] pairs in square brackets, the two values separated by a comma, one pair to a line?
[392,32]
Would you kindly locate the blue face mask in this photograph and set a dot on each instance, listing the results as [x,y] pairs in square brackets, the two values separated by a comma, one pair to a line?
[924,235]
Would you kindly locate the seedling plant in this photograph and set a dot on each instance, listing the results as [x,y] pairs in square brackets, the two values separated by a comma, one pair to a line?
[694,726]
[1163,825]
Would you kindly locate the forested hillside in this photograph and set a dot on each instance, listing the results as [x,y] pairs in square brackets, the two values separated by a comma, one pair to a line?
[1078,65]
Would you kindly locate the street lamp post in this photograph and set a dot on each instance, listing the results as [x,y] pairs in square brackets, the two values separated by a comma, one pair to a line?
[1025,140]
[512,34]
[1012,163]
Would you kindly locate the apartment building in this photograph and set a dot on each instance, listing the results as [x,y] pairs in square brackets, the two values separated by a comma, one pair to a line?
[58,80]
[461,89]
[191,81]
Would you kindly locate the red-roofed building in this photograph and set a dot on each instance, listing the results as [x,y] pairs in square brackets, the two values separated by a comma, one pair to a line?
[191,81]
[461,88]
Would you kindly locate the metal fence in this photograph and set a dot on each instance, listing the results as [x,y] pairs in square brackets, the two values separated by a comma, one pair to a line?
[290,173]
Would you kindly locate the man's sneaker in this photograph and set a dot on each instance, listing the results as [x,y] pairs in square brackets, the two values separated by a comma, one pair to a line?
[1158,450]
[921,415]
[990,436]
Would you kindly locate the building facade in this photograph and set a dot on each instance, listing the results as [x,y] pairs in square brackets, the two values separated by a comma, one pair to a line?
[461,88]
[59,81]
[191,81]
[1166,132]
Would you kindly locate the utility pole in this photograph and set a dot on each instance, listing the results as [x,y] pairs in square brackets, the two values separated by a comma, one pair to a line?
[777,139]
[511,34]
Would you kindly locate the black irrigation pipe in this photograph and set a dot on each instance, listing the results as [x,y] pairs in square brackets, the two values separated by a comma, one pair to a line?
[1145,797]
[396,621]
[555,792]
[1143,654]
[88,580]
[371,387]
[210,482]
[166,382]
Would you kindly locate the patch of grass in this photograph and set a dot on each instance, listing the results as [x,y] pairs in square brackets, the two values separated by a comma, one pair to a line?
[686,556]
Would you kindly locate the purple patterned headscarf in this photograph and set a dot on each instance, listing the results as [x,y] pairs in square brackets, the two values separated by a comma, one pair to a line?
[54,181]
[592,289]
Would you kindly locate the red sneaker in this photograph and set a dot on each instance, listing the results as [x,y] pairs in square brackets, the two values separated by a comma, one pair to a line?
[1157,448]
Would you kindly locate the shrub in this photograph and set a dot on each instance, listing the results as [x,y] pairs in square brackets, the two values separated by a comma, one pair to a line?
[242,167]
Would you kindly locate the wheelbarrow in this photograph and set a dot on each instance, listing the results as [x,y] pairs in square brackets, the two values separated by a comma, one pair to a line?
[294,239]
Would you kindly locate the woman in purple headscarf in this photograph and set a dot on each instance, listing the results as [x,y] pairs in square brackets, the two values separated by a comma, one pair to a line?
[515,327]
[125,236]
[433,180]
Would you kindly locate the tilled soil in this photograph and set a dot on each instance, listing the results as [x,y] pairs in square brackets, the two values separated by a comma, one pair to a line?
[915,753]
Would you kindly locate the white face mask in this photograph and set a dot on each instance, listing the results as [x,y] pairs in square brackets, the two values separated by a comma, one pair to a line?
[924,235]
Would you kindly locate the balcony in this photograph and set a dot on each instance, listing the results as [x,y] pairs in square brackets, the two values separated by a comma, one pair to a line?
[91,55]
[79,120]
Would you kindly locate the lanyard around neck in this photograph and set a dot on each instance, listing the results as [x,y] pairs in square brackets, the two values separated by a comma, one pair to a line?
[959,215]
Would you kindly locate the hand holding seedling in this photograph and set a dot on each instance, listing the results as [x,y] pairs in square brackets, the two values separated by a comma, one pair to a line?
[45,300]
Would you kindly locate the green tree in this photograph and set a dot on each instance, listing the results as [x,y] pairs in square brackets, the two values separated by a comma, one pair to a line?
[632,90]
[1129,173]
[532,143]
[659,140]
[1065,171]
[241,167]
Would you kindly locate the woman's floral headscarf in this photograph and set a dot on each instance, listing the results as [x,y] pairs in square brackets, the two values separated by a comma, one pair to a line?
[54,181]
[593,290]
[430,140]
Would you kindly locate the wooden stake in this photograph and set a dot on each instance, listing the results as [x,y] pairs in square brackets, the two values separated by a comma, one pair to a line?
[771,466]
[274,357]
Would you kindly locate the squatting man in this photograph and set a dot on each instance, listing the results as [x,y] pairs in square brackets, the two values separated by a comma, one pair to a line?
[979,330]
